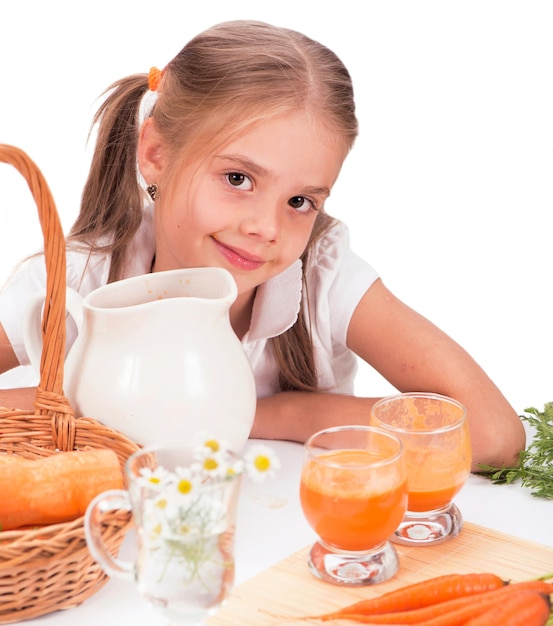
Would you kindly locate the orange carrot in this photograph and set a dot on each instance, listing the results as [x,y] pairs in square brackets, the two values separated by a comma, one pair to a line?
[526,608]
[493,609]
[418,595]
[56,488]
[458,609]
[10,458]
[436,616]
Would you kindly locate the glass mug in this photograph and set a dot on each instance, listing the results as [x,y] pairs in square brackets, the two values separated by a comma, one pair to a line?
[436,440]
[184,566]
[353,492]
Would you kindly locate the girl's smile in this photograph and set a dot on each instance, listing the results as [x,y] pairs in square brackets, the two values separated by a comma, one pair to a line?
[238,258]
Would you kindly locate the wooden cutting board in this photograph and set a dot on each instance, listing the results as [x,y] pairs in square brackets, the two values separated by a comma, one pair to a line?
[288,590]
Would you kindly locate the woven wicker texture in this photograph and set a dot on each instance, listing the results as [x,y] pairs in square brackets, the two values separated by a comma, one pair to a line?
[50,568]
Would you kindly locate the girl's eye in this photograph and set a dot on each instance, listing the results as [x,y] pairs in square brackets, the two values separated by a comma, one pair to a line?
[302,204]
[239,181]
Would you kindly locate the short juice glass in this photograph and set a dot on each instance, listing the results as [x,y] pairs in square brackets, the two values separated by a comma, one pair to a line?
[435,436]
[353,492]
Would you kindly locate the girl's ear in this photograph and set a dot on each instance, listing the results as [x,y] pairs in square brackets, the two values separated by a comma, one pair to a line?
[150,152]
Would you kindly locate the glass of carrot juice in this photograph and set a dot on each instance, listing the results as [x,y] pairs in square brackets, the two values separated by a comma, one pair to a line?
[435,436]
[353,493]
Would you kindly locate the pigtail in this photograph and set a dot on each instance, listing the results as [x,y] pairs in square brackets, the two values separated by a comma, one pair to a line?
[112,199]
[293,350]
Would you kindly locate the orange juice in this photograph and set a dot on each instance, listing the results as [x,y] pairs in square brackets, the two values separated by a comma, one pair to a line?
[429,500]
[353,506]
[435,476]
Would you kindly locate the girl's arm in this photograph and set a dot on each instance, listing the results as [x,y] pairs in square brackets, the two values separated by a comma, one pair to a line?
[413,355]
[8,360]
[12,398]
[23,398]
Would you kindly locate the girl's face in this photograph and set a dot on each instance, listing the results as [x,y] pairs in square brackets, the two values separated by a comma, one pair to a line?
[251,205]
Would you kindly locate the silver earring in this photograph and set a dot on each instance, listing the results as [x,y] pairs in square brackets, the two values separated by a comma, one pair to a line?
[152,191]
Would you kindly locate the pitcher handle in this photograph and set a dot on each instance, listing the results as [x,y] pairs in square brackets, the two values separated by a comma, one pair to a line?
[114,499]
[32,322]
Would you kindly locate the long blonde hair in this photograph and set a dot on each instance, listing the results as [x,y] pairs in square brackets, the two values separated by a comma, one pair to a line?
[223,80]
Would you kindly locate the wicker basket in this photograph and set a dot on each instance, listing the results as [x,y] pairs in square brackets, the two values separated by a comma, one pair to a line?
[50,568]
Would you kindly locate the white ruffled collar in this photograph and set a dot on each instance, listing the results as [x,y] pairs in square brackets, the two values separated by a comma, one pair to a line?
[276,305]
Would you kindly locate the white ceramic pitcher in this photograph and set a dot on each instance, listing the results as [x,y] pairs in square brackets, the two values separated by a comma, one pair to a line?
[156,357]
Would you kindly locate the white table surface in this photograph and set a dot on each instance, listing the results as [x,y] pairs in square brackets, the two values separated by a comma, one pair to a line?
[271,526]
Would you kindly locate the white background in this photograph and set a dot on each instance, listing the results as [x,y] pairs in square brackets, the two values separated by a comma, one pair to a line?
[448,191]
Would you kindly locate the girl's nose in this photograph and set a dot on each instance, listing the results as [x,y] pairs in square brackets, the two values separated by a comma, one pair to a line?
[264,223]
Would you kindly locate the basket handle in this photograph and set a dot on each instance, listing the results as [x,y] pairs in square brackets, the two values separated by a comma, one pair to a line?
[50,398]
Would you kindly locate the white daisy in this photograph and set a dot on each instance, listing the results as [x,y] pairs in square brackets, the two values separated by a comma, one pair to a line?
[261,462]
[158,477]
[187,479]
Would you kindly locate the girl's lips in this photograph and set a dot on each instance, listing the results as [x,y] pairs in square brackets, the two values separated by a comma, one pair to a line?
[239,258]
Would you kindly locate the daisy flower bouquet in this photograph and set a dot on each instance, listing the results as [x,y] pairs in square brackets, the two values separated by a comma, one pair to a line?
[184,501]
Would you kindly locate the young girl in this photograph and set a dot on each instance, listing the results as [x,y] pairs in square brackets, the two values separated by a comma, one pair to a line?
[226,158]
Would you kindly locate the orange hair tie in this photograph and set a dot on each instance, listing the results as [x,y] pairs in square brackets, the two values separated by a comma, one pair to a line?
[154,78]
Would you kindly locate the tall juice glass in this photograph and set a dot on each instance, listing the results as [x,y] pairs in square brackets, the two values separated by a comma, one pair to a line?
[435,436]
[353,492]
